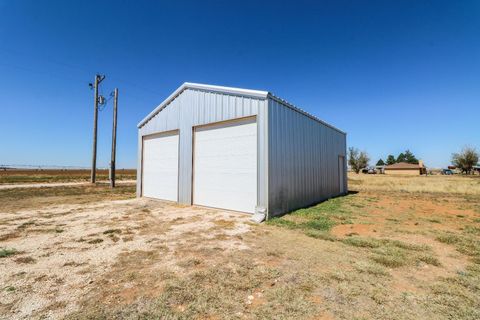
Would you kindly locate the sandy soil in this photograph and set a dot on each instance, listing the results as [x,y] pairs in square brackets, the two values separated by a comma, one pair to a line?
[64,251]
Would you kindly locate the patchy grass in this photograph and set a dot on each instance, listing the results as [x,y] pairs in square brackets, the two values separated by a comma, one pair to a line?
[371,268]
[321,217]
[392,257]
[370,255]
[24,198]
[235,288]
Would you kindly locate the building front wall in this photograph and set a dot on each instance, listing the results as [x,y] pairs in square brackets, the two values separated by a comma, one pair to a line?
[410,172]
[194,107]
[303,166]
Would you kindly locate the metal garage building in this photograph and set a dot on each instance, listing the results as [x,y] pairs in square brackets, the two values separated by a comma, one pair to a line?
[238,149]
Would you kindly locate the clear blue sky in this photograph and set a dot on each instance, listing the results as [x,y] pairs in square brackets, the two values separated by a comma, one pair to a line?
[393,74]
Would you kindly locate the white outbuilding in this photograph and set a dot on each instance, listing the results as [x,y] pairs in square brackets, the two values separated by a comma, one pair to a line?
[238,149]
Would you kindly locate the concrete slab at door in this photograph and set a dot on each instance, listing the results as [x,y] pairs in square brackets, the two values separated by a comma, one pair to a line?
[225,165]
[160,166]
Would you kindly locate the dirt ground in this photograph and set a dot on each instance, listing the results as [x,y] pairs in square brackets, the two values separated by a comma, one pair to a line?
[88,253]
[13,176]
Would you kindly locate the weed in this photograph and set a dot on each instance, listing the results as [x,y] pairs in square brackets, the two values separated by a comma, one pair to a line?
[362,242]
[112,231]
[371,268]
[25,260]
[26,224]
[472,230]
[448,238]
[5,252]
[95,241]
[390,257]
[429,259]
[193,262]
[9,289]
[274,253]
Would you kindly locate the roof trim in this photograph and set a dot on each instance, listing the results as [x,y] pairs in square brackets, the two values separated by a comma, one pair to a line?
[305,113]
[230,90]
[205,87]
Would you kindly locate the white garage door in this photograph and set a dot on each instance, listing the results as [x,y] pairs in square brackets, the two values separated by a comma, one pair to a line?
[160,166]
[225,166]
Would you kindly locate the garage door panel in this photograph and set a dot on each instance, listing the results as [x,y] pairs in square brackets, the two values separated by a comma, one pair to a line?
[160,166]
[225,166]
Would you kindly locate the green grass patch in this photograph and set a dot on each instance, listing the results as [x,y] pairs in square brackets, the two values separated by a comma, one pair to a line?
[448,238]
[321,223]
[281,222]
[9,289]
[391,257]
[362,242]
[320,235]
[371,268]
[5,252]
[321,217]
[429,259]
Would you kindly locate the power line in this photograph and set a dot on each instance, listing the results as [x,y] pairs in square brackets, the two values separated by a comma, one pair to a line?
[79,68]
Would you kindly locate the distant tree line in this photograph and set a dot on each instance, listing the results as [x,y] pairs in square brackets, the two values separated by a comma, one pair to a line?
[406,156]
[465,160]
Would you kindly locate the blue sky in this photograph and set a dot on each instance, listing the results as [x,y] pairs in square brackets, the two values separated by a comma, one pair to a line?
[395,75]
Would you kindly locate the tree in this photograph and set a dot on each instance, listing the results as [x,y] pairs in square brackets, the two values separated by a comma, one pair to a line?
[401,158]
[391,159]
[357,159]
[380,163]
[466,159]
[410,158]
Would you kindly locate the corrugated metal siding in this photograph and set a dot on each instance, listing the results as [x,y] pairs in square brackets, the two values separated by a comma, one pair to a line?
[198,107]
[303,159]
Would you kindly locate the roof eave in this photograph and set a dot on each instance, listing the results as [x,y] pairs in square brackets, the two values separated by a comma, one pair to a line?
[305,113]
[198,86]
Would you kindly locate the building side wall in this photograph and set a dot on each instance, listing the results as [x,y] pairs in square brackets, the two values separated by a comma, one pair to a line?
[410,172]
[303,166]
[198,107]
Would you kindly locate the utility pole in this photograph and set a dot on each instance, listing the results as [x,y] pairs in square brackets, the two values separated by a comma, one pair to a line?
[98,79]
[114,138]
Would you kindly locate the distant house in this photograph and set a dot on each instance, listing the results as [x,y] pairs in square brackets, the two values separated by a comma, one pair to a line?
[406,168]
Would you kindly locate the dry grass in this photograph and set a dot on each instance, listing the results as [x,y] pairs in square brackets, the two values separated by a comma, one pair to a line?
[462,185]
[50,175]
[26,198]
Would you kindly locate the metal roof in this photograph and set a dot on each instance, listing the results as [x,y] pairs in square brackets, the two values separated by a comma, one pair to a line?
[229,90]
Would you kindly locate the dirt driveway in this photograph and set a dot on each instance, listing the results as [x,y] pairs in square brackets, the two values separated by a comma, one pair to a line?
[91,252]
[64,252]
